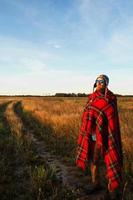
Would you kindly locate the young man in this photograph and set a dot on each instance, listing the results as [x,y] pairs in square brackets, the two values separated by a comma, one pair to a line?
[99,135]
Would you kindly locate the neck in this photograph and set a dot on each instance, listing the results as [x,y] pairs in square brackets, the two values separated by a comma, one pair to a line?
[102,90]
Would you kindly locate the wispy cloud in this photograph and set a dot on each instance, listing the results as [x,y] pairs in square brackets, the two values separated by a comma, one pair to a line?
[55,43]
[106,27]
[99,19]
[57,46]
[24,55]
[118,48]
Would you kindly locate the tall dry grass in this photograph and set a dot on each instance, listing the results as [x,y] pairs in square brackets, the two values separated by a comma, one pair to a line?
[64,116]
[125,106]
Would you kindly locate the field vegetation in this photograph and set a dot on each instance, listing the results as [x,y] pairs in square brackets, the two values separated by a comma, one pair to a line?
[61,118]
[56,121]
[23,174]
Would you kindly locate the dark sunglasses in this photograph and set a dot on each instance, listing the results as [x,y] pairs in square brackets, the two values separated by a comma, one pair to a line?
[100,81]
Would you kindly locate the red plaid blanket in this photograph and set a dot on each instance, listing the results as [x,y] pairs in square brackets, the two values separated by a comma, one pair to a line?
[100,115]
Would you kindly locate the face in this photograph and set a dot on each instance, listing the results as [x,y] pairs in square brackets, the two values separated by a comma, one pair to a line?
[100,84]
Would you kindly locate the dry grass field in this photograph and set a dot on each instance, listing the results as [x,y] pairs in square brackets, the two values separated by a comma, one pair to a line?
[63,115]
[57,120]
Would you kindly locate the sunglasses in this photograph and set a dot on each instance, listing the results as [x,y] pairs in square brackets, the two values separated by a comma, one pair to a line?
[100,81]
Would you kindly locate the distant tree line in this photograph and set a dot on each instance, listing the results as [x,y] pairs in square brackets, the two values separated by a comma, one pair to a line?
[70,95]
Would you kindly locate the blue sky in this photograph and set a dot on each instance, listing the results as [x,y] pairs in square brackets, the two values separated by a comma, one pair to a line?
[49,46]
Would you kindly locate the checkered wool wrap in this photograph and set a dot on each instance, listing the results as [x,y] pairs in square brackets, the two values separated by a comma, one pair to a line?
[100,115]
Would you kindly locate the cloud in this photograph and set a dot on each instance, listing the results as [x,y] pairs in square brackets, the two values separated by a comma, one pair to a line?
[23,55]
[84,7]
[118,49]
[57,44]
[105,32]
[33,64]
[100,19]
[49,81]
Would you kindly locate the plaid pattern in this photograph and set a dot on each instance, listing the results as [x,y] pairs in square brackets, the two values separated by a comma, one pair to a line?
[100,115]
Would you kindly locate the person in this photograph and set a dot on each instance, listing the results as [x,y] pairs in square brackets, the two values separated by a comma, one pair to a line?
[99,136]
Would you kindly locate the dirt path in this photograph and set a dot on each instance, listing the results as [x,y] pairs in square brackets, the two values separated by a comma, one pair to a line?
[68,175]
